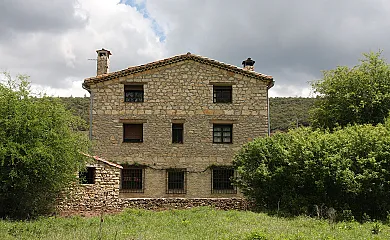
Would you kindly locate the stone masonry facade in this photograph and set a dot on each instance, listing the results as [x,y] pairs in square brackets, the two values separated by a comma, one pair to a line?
[177,90]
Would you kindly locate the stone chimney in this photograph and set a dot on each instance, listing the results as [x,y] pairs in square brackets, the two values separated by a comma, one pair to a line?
[103,61]
[248,64]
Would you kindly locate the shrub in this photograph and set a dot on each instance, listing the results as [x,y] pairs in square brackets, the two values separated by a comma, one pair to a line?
[39,150]
[346,169]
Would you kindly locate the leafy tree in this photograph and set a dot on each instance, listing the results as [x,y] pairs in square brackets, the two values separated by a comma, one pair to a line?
[355,95]
[39,150]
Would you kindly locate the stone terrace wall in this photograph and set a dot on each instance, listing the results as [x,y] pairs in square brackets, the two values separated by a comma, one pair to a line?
[157,204]
[184,203]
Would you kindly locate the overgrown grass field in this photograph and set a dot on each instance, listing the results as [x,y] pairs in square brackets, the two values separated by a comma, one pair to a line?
[197,223]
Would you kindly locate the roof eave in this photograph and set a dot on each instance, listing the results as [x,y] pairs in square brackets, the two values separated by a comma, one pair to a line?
[171,60]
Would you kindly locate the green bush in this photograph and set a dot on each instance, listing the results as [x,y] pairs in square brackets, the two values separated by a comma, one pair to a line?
[295,171]
[39,150]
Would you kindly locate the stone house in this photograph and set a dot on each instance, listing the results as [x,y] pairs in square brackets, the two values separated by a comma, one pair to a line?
[170,128]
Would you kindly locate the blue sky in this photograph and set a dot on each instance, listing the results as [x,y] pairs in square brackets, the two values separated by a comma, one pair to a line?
[141,7]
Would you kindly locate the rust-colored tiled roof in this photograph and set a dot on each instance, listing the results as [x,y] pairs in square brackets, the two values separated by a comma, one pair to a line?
[175,59]
[103,161]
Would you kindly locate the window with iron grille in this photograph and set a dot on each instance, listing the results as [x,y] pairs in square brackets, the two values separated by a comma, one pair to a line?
[132,179]
[134,93]
[87,176]
[222,180]
[222,94]
[177,132]
[176,182]
[222,133]
[132,132]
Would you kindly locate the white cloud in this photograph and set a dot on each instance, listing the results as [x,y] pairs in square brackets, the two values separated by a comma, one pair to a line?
[292,41]
[74,90]
[58,61]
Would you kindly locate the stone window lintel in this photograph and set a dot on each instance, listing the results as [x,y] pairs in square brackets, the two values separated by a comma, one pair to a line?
[132,121]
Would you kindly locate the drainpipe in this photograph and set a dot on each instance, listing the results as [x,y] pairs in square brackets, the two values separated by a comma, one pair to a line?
[269,120]
[90,115]
[90,110]
[270,85]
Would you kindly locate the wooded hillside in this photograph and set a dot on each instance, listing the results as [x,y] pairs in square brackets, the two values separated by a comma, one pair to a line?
[285,113]
[289,112]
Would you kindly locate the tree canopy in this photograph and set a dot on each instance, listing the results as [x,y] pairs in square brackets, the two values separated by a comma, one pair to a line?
[356,95]
[39,150]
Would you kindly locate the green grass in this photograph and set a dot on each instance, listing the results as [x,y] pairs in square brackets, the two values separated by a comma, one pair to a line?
[197,223]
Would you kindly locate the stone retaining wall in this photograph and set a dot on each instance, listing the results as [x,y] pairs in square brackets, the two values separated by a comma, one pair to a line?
[158,204]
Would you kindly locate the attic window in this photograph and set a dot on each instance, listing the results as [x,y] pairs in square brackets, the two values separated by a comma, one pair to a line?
[222,94]
[222,133]
[134,93]
[87,176]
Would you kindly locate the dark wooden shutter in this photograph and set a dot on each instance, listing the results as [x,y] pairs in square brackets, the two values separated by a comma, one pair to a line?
[133,133]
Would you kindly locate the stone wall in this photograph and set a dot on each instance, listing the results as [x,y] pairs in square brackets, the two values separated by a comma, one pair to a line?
[156,204]
[182,91]
[89,197]
[185,203]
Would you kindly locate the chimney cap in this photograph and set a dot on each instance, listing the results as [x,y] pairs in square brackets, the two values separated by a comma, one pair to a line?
[248,62]
[104,50]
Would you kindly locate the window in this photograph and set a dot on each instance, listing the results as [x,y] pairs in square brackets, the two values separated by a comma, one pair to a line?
[132,132]
[222,133]
[134,93]
[87,176]
[177,132]
[222,94]
[222,180]
[132,179]
[176,181]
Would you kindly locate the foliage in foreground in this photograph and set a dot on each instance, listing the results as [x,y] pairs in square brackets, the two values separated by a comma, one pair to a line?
[357,95]
[309,171]
[197,223]
[39,150]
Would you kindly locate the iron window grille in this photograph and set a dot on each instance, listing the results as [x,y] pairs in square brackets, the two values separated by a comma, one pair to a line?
[87,176]
[222,180]
[132,180]
[176,181]
[177,132]
[132,132]
[134,93]
[222,94]
[222,133]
